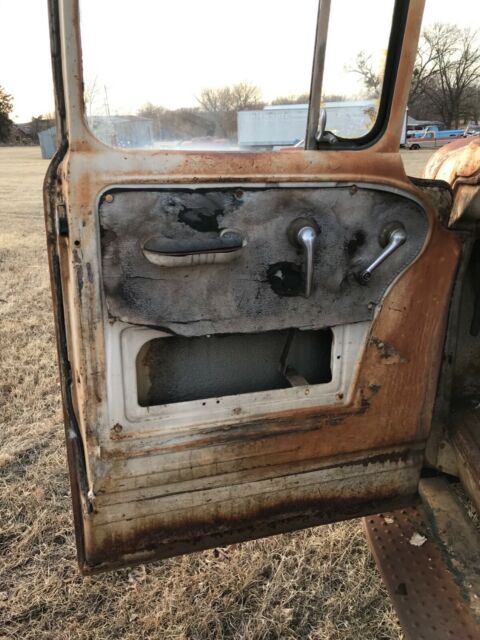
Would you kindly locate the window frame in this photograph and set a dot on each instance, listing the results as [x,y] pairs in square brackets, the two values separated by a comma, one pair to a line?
[332,142]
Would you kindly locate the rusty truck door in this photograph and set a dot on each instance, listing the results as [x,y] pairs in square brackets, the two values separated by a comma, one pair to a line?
[249,341]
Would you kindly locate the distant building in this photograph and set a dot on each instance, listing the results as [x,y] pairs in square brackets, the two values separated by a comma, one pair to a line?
[123,131]
[116,131]
[20,134]
[26,133]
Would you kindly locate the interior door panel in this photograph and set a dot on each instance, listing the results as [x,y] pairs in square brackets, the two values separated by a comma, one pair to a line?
[262,288]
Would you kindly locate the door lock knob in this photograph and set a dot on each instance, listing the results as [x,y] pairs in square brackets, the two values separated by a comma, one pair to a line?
[303,233]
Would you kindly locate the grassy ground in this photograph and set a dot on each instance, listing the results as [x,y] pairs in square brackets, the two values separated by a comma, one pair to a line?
[415,161]
[318,584]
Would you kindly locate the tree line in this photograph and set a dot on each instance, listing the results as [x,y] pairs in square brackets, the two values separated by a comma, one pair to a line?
[216,113]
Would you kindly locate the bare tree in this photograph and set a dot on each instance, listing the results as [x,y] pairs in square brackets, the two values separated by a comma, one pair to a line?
[222,105]
[425,69]
[238,97]
[471,105]
[90,94]
[454,70]
[214,100]
[372,80]
[6,108]
[171,124]
[446,76]
[246,96]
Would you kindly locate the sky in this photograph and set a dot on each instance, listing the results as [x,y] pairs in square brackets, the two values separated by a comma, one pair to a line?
[263,42]
[167,51]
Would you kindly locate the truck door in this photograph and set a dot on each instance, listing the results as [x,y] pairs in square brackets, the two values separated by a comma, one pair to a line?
[430,141]
[249,340]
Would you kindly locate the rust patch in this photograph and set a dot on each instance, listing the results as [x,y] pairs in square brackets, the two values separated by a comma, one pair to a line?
[441,195]
[116,431]
[387,352]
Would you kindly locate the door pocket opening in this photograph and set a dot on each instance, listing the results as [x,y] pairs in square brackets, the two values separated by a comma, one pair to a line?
[178,369]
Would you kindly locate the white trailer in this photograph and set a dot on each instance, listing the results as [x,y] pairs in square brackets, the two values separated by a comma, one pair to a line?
[285,125]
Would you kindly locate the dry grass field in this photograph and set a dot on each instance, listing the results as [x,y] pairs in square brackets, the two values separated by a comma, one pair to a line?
[318,584]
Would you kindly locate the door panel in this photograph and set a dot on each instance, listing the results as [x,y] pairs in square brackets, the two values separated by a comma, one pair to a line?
[214,392]
[261,288]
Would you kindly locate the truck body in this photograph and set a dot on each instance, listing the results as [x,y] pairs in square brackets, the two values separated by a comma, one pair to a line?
[439,133]
[430,140]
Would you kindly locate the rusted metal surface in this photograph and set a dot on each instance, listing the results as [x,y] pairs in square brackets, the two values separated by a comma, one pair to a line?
[466,362]
[251,510]
[465,438]
[150,543]
[165,492]
[458,163]
[426,589]
[440,193]
[459,381]
[456,534]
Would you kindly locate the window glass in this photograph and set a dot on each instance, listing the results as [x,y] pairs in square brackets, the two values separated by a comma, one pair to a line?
[214,74]
[197,74]
[357,45]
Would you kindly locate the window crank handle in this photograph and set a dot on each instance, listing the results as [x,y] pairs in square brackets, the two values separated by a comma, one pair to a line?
[303,233]
[391,238]
[306,239]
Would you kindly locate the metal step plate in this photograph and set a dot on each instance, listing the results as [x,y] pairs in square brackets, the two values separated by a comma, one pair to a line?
[430,592]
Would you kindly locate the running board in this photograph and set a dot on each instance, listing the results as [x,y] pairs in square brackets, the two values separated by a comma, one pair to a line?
[429,559]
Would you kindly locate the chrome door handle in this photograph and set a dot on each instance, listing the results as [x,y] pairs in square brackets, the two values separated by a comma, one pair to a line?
[391,238]
[303,232]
